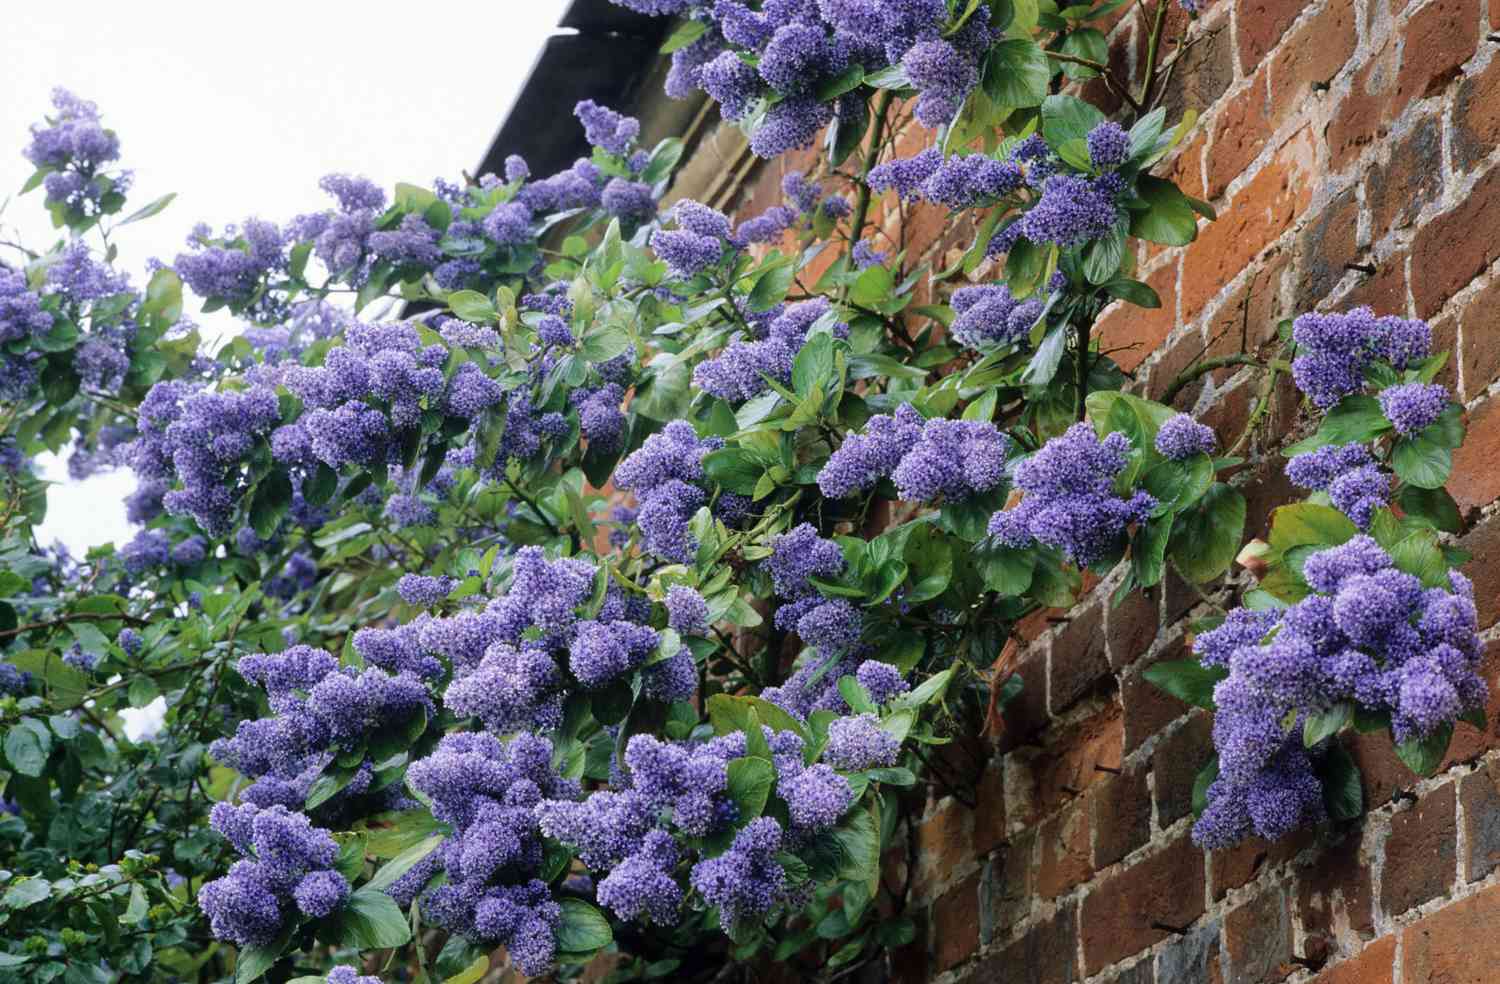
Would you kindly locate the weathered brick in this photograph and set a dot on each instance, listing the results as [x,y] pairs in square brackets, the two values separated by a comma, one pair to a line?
[1260,212]
[1413,177]
[1240,132]
[955,924]
[1193,958]
[1324,248]
[1080,663]
[1027,713]
[1385,291]
[1203,74]
[1148,708]
[1419,854]
[1258,939]
[1479,792]
[1131,627]
[1381,773]
[1238,866]
[1457,246]
[1440,37]
[1455,945]
[1047,954]
[1336,890]
[1064,861]
[1176,763]
[1124,913]
[1476,481]
[1065,767]
[1363,115]
[1129,334]
[1480,349]
[1120,815]
[1476,116]
[1483,542]
[943,847]
[1261,23]
[1008,886]
[1309,60]
[989,818]
[1372,965]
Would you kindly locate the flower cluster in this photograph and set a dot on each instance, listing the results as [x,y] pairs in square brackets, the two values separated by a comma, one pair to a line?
[1334,350]
[740,371]
[1370,634]
[487,792]
[1070,502]
[951,459]
[286,868]
[1182,437]
[662,473]
[72,147]
[1350,476]
[320,712]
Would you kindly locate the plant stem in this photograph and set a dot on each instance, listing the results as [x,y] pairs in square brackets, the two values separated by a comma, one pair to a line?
[1187,376]
[872,155]
[1115,85]
[1081,367]
[75,617]
[1153,51]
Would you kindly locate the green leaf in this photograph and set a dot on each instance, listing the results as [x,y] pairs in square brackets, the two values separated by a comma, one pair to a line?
[1043,365]
[813,365]
[1085,42]
[1424,755]
[1343,795]
[684,34]
[1207,535]
[1309,523]
[771,287]
[846,81]
[1421,462]
[272,499]
[26,892]
[1148,551]
[1186,679]
[1102,257]
[1133,291]
[735,469]
[583,928]
[1178,484]
[471,974]
[1170,220]
[253,961]
[1356,419]
[1420,556]
[1325,724]
[1433,506]
[403,862]
[27,745]
[154,208]
[750,782]
[1016,73]
[470,305]
[370,920]
[1065,118]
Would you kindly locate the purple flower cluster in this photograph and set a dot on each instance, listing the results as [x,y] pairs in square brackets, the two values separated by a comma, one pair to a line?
[1070,503]
[1413,406]
[202,438]
[687,612]
[1108,145]
[882,681]
[1182,437]
[662,473]
[698,241]
[989,316]
[857,743]
[952,459]
[606,129]
[319,711]
[1348,474]
[74,145]
[286,868]
[487,792]
[1371,634]
[232,268]
[1072,210]
[424,591]
[1333,350]
[738,372]
[747,881]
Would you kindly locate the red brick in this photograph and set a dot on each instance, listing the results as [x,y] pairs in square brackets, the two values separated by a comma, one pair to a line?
[1148,708]
[1476,481]
[1187,168]
[1311,57]
[1483,542]
[1080,664]
[1238,866]
[1120,916]
[1176,763]
[1261,23]
[1248,318]
[1476,115]
[1457,246]
[989,818]
[1027,713]
[1128,334]
[1419,854]
[1047,954]
[1381,773]
[1260,212]
[1131,627]
[1480,794]
[1064,860]
[1008,888]
[955,924]
[1203,74]
[1364,115]
[1385,291]
[1440,37]
[1121,815]
[1241,129]
[1185,351]
[1411,179]
[1325,247]
[1455,945]
[1065,768]
[1373,965]
[943,845]
[1335,889]
[1480,352]
[1258,939]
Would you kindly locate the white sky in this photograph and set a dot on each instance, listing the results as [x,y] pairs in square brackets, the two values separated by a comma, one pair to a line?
[240,109]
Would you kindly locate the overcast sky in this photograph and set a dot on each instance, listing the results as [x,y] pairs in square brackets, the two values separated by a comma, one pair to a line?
[241,109]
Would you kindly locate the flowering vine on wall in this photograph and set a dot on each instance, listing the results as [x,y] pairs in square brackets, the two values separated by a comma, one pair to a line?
[432,690]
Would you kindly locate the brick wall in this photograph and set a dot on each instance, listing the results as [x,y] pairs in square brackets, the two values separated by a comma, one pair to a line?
[1349,147]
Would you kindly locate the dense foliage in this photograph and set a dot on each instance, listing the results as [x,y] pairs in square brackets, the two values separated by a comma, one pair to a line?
[613,595]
